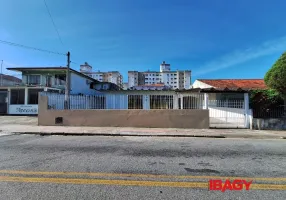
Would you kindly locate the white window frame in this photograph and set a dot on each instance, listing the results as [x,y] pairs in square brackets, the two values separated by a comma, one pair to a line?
[28,78]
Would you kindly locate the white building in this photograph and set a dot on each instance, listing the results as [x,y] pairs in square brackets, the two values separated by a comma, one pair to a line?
[21,98]
[180,79]
[125,86]
[111,76]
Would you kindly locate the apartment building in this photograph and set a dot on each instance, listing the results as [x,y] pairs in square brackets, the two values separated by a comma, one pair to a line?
[178,79]
[111,76]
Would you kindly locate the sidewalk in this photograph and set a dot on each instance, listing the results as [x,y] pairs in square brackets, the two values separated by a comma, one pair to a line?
[28,125]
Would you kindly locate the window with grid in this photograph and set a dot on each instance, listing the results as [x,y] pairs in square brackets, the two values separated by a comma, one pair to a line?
[135,101]
[161,101]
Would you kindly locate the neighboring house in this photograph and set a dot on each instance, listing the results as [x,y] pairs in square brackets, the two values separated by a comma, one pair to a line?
[180,79]
[111,76]
[248,84]
[8,80]
[104,86]
[22,98]
[229,84]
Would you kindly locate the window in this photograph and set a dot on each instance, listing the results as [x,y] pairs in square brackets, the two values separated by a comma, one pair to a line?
[135,101]
[53,91]
[175,78]
[60,79]
[153,78]
[34,79]
[49,81]
[171,78]
[17,96]
[175,82]
[33,95]
[161,101]
[167,82]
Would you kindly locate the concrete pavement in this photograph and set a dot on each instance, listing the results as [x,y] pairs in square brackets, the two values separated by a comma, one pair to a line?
[80,167]
[28,125]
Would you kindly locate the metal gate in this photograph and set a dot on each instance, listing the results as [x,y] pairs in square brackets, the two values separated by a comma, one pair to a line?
[227,114]
[3,102]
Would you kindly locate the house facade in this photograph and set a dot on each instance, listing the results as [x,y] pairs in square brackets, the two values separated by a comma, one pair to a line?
[22,98]
[227,113]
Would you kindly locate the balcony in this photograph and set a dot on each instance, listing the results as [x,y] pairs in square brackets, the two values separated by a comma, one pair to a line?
[55,81]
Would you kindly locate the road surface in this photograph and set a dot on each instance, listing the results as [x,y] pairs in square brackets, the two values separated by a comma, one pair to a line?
[93,167]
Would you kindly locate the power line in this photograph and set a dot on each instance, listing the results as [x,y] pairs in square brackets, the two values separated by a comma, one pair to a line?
[74,62]
[53,22]
[27,47]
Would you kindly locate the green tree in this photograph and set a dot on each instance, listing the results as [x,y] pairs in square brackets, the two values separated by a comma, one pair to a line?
[275,78]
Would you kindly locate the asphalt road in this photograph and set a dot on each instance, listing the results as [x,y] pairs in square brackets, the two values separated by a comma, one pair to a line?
[71,167]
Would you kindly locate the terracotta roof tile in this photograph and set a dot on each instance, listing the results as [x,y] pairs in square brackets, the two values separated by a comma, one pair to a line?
[235,83]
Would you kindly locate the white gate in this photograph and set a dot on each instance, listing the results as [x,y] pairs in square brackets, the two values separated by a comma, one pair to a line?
[227,114]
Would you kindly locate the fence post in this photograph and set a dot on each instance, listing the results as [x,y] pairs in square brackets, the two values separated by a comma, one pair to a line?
[246,110]
[206,101]
[146,102]
[250,112]
[175,101]
[182,100]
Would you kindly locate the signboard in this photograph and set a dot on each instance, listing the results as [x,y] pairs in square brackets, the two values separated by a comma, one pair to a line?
[23,109]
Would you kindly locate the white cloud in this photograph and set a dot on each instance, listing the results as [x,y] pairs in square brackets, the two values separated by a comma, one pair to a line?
[241,56]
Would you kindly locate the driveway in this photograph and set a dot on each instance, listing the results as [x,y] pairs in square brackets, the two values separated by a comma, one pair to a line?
[19,120]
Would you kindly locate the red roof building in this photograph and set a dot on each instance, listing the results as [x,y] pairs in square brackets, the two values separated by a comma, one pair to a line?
[248,84]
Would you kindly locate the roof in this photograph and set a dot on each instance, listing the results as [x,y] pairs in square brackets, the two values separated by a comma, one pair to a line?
[196,90]
[236,83]
[158,86]
[10,78]
[21,69]
[153,85]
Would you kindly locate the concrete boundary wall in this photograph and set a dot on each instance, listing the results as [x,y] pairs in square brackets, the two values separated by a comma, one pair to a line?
[184,118]
[269,124]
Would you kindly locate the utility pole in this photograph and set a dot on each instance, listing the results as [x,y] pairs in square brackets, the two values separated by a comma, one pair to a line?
[1,73]
[68,85]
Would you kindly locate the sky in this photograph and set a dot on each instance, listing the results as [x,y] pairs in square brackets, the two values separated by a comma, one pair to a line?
[213,38]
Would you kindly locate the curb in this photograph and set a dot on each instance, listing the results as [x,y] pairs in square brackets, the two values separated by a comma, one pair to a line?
[151,135]
[115,134]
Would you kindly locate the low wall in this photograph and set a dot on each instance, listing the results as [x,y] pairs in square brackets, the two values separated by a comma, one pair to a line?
[269,124]
[123,118]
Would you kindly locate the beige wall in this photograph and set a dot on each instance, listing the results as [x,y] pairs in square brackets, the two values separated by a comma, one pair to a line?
[124,118]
